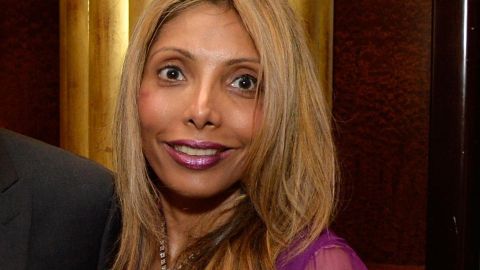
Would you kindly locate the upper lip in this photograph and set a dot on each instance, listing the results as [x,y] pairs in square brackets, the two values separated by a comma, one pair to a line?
[199,144]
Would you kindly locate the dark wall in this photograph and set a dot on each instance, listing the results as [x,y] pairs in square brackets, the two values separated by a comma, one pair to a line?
[29,68]
[381,69]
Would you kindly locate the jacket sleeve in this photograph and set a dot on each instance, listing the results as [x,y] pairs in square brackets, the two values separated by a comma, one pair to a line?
[110,238]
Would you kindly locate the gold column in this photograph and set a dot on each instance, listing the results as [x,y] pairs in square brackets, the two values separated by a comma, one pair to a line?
[93,41]
[318,21]
[74,38]
[107,45]
[136,9]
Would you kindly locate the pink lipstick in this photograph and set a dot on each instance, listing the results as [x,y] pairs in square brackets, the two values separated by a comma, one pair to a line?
[196,155]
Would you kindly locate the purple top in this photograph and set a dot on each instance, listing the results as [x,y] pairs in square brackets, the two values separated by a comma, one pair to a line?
[328,251]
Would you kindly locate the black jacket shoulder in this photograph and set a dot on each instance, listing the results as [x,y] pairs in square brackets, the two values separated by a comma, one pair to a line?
[69,210]
[46,163]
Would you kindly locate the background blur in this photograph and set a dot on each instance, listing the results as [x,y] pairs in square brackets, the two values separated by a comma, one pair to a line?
[403,99]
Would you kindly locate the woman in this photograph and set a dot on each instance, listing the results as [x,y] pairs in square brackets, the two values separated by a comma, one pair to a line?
[224,153]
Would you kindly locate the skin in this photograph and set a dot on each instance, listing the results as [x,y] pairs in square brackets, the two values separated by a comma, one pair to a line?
[198,84]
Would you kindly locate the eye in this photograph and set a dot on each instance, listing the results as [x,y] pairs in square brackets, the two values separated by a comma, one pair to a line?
[171,73]
[245,82]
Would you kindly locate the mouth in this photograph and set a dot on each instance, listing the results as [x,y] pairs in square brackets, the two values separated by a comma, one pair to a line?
[197,155]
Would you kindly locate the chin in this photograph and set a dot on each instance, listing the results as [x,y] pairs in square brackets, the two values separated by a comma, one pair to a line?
[203,192]
[201,196]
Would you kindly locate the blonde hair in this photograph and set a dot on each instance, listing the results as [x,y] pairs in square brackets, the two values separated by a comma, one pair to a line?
[291,170]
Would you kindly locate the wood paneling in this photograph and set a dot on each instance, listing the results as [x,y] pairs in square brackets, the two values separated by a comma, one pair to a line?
[381,104]
[29,69]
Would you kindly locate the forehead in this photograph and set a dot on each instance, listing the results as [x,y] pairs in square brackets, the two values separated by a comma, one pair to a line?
[206,27]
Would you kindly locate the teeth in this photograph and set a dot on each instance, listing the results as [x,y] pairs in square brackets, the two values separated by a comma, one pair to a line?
[195,151]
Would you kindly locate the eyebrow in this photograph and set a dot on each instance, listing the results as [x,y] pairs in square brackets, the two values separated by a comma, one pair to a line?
[190,56]
[181,51]
[242,60]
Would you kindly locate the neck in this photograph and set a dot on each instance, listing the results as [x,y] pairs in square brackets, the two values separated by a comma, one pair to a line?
[188,218]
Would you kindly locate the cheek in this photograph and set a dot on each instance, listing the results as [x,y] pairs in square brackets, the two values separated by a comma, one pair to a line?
[152,110]
[247,123]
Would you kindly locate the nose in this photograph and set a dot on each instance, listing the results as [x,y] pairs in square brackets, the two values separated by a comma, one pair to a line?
[204,110]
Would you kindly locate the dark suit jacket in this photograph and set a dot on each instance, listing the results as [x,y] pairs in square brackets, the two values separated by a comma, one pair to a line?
[54,208]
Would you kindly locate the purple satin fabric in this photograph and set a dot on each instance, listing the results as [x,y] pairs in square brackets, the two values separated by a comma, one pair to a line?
[327,240]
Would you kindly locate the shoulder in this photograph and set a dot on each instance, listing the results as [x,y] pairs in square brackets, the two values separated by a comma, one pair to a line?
[51,168]
[61,204]
[328,251]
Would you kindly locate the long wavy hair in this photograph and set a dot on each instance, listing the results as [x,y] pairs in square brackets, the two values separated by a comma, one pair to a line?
[290,184]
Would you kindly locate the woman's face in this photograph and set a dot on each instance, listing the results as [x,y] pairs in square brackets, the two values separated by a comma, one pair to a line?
[197,104]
